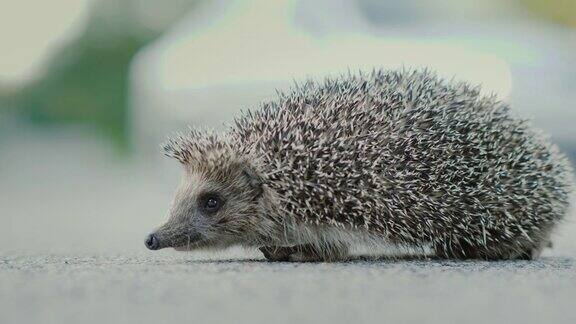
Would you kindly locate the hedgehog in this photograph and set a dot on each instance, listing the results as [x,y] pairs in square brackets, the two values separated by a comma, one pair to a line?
[399,158]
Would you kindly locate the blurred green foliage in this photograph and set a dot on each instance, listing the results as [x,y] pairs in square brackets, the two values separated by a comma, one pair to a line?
[560,11]
[86,82]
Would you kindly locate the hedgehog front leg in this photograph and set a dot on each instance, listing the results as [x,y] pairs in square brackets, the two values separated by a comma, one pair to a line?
[297,253]
[277,253]
[305,253]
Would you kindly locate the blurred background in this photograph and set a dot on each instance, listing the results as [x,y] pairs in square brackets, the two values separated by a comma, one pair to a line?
[89,89]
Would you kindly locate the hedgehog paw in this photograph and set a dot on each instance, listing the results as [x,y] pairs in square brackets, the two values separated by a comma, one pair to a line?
[277,253]
[297,253]
[302,253]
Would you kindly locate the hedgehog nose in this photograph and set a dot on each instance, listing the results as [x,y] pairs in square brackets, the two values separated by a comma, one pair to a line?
[152,242]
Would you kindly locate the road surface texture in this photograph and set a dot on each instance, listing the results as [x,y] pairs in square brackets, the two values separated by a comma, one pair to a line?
[168,287]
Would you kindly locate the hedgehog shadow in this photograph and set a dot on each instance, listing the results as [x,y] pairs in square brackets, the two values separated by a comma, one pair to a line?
[418,261]
[350,260]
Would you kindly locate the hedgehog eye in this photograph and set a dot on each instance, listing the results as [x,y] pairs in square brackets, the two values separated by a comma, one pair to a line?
[211,203]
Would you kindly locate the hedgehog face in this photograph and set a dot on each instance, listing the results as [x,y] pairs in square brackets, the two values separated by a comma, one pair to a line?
[214,207]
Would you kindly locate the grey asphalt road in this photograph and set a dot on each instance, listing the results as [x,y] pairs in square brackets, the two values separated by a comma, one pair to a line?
[168,287]
[74,254]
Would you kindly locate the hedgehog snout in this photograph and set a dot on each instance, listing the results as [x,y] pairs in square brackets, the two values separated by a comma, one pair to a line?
[152,242]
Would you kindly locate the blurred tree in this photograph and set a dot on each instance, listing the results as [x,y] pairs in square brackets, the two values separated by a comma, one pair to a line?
[87,84]
[87,81]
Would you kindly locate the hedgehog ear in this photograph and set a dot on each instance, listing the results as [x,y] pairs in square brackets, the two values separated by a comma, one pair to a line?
[254,180]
